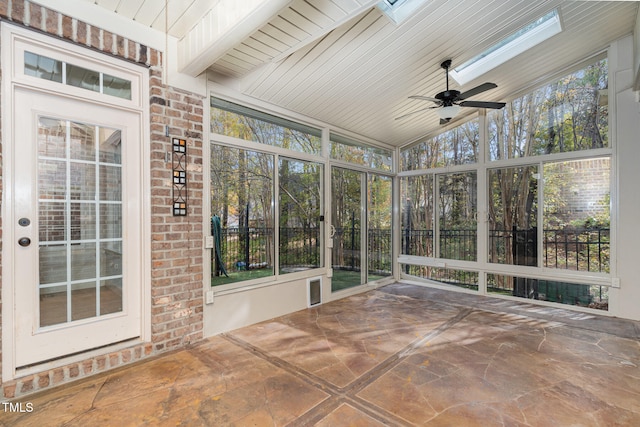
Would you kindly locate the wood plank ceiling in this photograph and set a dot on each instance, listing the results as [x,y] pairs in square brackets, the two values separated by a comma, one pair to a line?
[344,62]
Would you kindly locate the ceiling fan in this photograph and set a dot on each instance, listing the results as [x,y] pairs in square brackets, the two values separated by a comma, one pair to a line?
[450,101]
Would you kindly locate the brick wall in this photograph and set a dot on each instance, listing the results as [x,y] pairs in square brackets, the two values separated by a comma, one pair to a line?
[176,242]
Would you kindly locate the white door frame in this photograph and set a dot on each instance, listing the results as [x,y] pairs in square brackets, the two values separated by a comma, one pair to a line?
[14,40]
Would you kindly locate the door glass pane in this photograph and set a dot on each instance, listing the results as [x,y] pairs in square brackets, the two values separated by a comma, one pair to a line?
[379,211]
[83,221]
[83,181]
[513,224]
[300,209]
[83,261]
[53,264]
[110,296]
[458,205]
[83,300]
[52,222]
[110,183]
[110,145]
[52,138]
[53,305]
[110,220]
[111,259]
[346,208]
[80,221]
[52,179]
[83,144]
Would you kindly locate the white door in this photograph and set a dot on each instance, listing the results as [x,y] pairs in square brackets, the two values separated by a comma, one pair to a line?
[76,204]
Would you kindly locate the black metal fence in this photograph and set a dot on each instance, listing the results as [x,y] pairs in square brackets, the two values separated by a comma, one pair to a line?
[245,248]
[580,249]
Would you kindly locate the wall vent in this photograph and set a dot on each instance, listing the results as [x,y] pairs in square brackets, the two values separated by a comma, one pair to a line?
[314,291]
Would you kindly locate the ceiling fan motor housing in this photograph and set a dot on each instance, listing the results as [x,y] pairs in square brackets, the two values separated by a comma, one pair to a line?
[448,96]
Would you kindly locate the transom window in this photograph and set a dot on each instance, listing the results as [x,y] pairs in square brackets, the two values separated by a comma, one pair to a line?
[245,123]
[45,68]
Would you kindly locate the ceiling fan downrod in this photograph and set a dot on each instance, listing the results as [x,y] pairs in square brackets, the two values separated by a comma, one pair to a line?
[446,64]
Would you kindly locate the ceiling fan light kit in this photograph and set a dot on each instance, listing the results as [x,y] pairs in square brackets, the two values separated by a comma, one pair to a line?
[449,102]
[448,112]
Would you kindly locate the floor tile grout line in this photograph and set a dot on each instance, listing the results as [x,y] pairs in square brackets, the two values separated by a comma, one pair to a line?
[308,377]
[349,392]
[393,360]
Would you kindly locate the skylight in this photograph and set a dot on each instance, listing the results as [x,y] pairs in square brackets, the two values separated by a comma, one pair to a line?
[527,37]
[399,10]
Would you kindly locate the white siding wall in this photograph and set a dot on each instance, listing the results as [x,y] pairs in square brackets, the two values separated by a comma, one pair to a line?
[626,122]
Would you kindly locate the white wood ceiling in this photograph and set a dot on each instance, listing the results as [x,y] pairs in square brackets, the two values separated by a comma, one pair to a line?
[182,16]
[345,63]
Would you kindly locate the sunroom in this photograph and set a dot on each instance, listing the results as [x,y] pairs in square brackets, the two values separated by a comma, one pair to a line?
[178,170]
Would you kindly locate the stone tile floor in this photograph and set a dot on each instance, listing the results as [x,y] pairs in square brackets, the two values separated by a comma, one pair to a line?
[402,355]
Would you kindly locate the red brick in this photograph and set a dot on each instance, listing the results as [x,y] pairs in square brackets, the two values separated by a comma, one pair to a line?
[101,363]
[58,376]
[67,27]
[51,22]
[4,11]
[74,371]
[107,41]
[17,11]
[35,20]
[95,37]
[10,390]
[87,367]
[120,42]
[81,32]
[114,360]
[26,385]
[43,380]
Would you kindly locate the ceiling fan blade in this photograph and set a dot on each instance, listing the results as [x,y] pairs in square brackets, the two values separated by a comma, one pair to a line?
[445,121]
[482,104]
[426,98]
[476,90]
[414,112]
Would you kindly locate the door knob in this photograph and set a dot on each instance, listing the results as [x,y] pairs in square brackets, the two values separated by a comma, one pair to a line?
[24,241]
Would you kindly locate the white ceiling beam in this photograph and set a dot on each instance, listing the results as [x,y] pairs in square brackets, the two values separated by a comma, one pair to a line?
[227,24]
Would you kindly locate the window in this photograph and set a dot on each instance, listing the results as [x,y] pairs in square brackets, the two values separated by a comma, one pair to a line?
[245,123]
[242,214]
[547,191]
[459,146]
[46,68]
[513,215]
[511,46]
[580,294]
[452,233]
[567,115]
[576,215]
[266,207]
[354,152]
[399,10]
[458,278]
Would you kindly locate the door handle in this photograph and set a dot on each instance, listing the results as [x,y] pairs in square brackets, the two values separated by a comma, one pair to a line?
[24,242]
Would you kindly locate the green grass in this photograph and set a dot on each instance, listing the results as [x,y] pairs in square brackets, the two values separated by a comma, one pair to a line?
[240,276]
[342,279]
